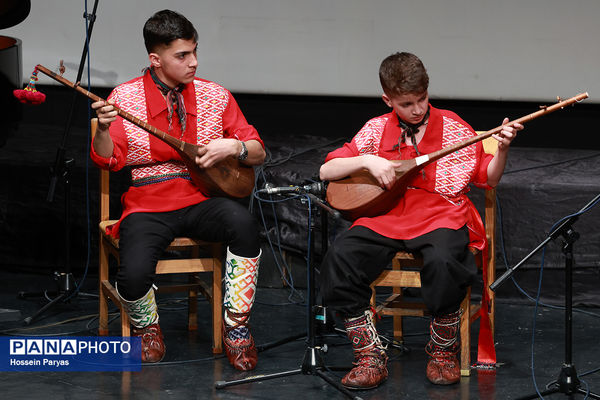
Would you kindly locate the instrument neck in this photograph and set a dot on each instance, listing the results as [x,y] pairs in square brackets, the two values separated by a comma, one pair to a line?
[422,161]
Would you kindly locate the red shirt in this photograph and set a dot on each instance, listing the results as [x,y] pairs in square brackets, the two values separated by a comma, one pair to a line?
[438,200]
[175,193]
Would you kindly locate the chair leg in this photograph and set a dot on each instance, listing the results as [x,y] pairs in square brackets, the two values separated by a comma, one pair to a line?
[397,319]
[125,323]
[193,297]
[493,315]
[492,299]
[465,335]
[374,303]
[103,314]
[103,301]
[373,293]
[125,326]
[192,305]
[103,317]
[217,305]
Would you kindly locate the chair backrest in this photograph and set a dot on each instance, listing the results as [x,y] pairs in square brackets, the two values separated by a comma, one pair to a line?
[104,182]
[490,145]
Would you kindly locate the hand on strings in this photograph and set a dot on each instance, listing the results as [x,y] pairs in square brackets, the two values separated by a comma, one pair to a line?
[216,151]
[381,169]
[106,113]
[507,134]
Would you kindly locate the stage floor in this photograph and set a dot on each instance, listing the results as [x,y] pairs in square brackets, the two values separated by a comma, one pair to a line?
[189,369]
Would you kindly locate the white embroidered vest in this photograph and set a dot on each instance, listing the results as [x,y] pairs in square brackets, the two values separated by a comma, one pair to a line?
[453,172]
[211,101]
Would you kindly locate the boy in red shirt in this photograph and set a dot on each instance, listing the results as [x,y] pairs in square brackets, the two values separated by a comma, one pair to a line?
[434,217]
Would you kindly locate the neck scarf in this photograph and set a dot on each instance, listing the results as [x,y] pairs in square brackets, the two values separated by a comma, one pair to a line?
[411,130]
[174,100]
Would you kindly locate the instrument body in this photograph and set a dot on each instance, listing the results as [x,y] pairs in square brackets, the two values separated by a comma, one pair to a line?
[360,195]
[227,178]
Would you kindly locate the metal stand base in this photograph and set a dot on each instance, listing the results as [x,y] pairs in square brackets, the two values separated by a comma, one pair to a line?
[567,383]
[66,283]
[312,364]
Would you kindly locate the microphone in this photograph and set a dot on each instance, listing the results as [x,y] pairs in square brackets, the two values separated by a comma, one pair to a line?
[316,188]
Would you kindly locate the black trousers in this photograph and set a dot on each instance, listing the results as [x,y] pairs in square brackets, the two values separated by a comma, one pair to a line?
[359,255]
[145,236]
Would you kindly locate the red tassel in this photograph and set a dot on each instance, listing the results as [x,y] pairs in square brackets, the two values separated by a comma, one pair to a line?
[30,95]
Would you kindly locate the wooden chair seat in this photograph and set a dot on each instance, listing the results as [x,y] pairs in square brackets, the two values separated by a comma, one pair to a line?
[204,257]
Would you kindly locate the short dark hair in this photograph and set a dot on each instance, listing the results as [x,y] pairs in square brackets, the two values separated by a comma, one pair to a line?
[164,27]
[403,73]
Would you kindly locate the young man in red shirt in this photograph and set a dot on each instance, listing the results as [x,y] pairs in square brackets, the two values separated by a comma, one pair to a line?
[162,202]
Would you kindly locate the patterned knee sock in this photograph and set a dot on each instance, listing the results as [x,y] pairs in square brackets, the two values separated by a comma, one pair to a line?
[143,311]
[241,275]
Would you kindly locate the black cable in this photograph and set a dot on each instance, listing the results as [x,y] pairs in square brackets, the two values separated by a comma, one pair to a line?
[260,173]
[168,363]
[33,328]
[551,164]
[93,317]
[289,281]
[288,278]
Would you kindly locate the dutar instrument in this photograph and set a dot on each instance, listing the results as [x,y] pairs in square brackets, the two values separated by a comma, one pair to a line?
[227,178]
[360,195]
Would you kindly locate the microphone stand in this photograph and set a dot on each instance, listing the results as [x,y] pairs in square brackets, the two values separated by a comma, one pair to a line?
[568,381]
[62,168]
[324,245]
[312,363]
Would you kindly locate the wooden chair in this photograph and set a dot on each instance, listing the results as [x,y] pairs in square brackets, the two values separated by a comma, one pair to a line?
[399,278]
[192,266]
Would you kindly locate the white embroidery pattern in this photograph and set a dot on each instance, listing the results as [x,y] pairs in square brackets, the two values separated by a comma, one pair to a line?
[367,140]
[454,172]
[211,102]
[131,98]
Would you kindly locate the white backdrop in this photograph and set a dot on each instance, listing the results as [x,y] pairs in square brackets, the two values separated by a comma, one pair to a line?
[473,49]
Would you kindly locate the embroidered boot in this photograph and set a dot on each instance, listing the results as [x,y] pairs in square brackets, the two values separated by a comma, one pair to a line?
[370,359]
[144,320]
[239,344]
[240,287]
[443,367]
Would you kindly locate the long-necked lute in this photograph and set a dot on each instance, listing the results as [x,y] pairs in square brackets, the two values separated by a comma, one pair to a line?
[360,195]
[228,178]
